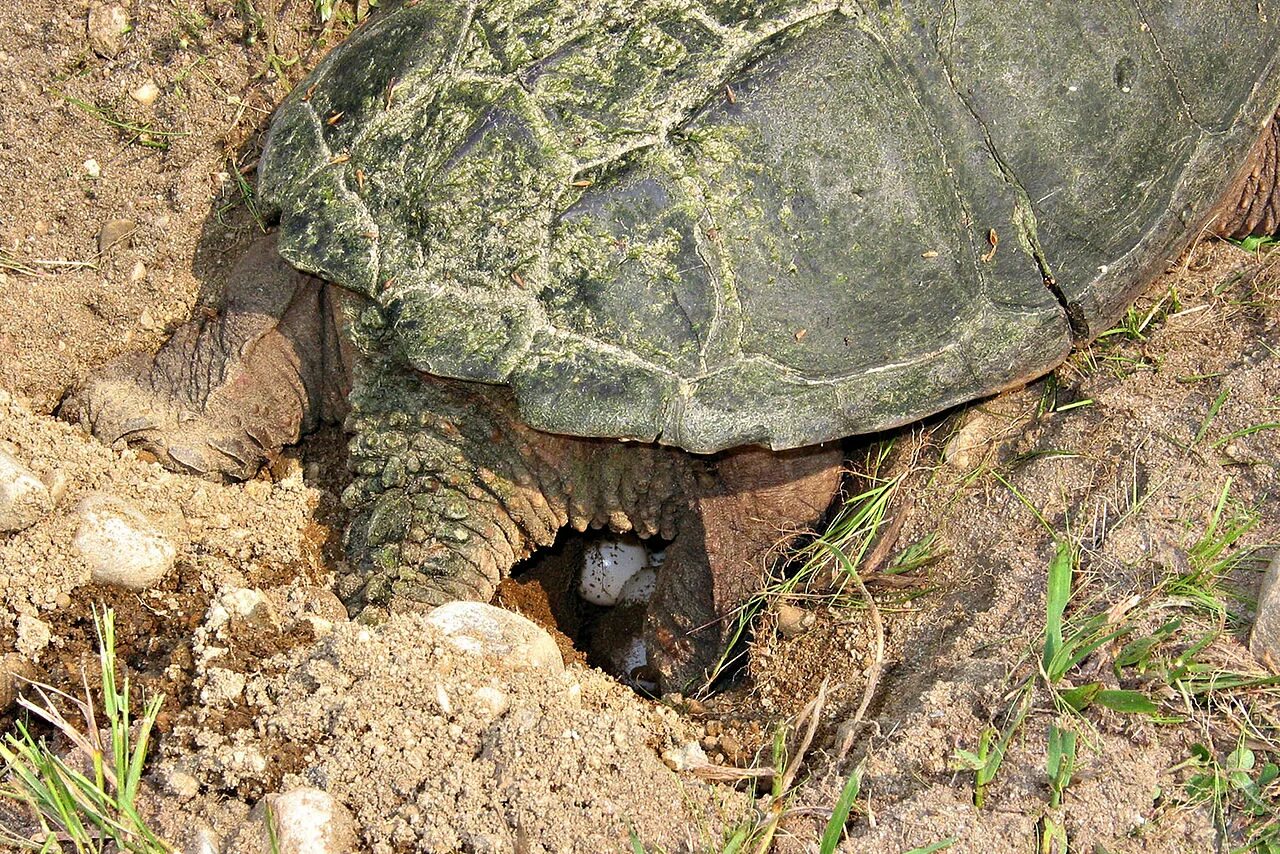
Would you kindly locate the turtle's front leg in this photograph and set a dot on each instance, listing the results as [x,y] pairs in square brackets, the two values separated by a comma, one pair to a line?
[234,384]
[451,490]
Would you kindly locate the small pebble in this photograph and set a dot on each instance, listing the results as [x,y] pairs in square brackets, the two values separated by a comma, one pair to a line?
[684,757]
[490,702]
[56,482]
[486,630]
[793,621]
[137,272]
[147,93]
[24,499]
[307,821]
[92,169]
[120,546]
[731,747]
[179,783]
[116,232]
[107,23]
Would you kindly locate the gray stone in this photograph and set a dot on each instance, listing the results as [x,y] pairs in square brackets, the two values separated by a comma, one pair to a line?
[1264,640]
[116,232]
[307,821]
[497,633]
[121,547]
[24,498]
[107,24]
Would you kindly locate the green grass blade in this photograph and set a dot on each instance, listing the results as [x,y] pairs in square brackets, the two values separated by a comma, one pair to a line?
[840,814]
[1059,593]
[1127,702]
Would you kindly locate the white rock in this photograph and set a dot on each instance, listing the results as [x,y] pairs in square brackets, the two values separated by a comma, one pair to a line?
[24,499]
[684,757]
[120,546]
[107,24]
[487,630]
[607,564]
[307,821]
[638,589]
[971,442]
[490,702]
[147,93]
[92,169]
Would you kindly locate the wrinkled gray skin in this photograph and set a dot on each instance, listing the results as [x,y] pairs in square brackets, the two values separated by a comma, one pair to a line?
[699,226]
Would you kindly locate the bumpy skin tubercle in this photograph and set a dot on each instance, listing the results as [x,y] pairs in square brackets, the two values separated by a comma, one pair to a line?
[451,489]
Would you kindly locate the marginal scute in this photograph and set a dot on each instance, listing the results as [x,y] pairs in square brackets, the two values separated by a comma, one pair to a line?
[465,332]
[715,222]
[335,240]
[573,380]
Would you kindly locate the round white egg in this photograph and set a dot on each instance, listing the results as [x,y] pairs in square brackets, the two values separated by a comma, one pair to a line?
[638,589]
[607,564]
[634,656]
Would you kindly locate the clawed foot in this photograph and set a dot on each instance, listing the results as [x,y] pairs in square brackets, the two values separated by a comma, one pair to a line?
[230,388]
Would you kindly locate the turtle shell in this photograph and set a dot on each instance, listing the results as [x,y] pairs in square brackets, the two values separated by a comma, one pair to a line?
[721,222]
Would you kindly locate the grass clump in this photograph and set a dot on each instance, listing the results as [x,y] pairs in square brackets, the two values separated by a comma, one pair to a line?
[88,806]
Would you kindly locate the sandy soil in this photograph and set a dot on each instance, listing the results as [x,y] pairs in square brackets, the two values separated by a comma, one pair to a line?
[1131,473]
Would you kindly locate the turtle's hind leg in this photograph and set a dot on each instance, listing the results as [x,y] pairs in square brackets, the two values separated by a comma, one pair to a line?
[232,386]
[1251,206]
[746,503]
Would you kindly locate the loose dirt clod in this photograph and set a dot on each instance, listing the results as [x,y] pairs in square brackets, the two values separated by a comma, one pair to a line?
[437,749]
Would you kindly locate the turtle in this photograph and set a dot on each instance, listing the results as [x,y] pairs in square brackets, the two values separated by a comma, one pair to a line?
[644,264]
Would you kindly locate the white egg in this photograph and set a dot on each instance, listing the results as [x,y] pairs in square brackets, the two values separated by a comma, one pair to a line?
[638,589]
[632,661]
[634,656]
[607,564]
